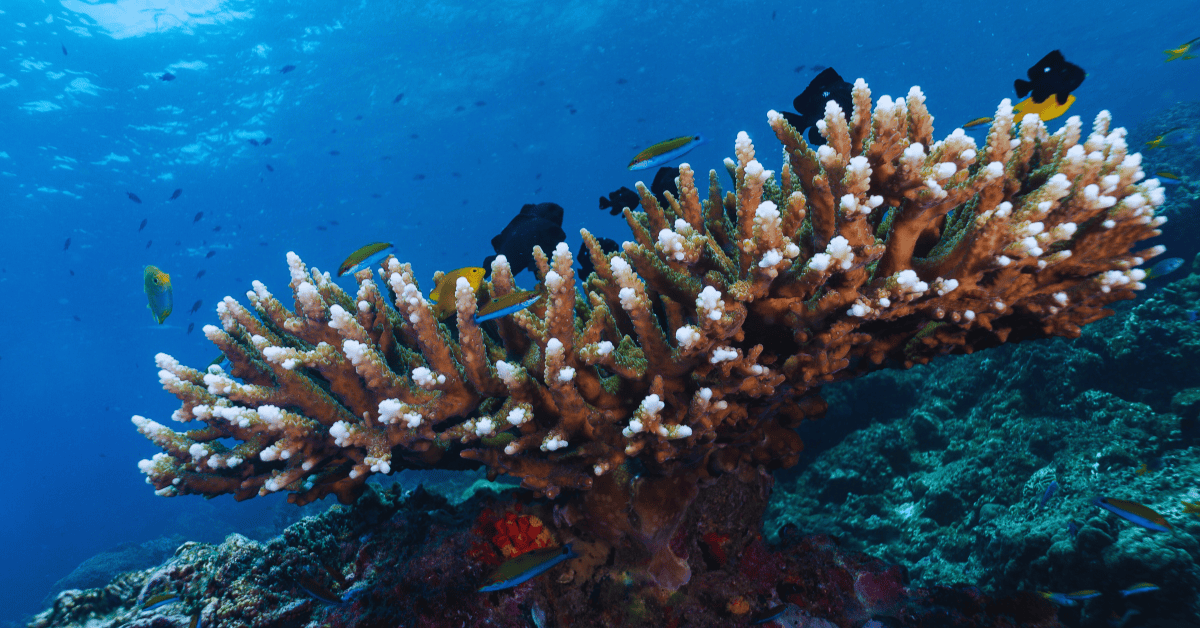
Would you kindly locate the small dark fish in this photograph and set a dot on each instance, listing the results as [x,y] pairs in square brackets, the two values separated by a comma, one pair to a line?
[398,98]
[333,131]
[620,199]
[175,194]
[1052,76]
[418,177]
[266,142]
[134,197]
[217,228]
[572,110]
[334,223]
[536,225]
[1072,529]
[64,47]
[191,326]
[322,228]
[460,108]
[253,142]
[817,68]
[1191,316]
[622,81]
[810,104]
[335,153]
[199,215]
[480,103]
[196,306]
[269,168]
[167,76]
[1051,489]
[456,174]
[772,16]
[376,195]
[209,254]
[76,317]
[414,136]
[798,69]
[664,181]
[200,274]
[143,225]
[67,244]
[72,273]
[287,68]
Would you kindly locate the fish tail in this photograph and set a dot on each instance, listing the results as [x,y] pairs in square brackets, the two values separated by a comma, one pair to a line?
[1022,86]
[605,203]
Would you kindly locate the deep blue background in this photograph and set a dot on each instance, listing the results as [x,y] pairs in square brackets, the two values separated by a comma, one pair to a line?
[68,388]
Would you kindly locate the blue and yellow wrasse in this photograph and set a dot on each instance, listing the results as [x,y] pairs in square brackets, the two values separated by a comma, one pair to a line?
[977,122]
[507,304]
[526,566]
[1134,513]
[1183,52]
[1168,178]
[1164,267]
[664,152]
[159,601]
[1058,598]
[1085,594]
[157,285]
[365,257]
[442,295]
[1141,587]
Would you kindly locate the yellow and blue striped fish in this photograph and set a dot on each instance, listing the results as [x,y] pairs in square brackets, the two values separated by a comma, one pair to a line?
[664,152]
[507,304]
[158,293]
[526,566]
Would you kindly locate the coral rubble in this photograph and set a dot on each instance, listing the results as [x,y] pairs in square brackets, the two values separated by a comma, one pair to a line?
[693,352]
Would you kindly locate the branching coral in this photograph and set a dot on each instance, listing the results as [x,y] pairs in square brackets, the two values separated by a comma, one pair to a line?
[698,347]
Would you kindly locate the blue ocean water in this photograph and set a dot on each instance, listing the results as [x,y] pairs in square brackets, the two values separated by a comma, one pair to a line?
[505,104]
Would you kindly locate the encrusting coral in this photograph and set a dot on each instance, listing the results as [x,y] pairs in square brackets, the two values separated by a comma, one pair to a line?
[697,349]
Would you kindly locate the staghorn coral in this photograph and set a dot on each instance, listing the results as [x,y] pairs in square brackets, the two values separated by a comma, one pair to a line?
[695,350]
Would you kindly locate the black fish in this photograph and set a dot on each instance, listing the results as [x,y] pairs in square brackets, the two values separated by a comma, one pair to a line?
[536,225]
[798,69]
[397,98]
[175,194]
[143,225]
[460,108]
[253,142]
[358,117]
[622,81]
[67,244]
[199,215]
[76,317]
[149,242]
[664,180]
[480,103]
[269,168]
[418,177]
[585,255]
[1053,75]
[209,254]
[64,47]
[266,141]
[133,197]
[196,306]
[191,326]
[287,68]
[335,153]
[619,200]
[217,228]
[200,274]
[772,16]
[810,104]
[167,76]
[376,195]
[72,273]
[322,228]
[817,68]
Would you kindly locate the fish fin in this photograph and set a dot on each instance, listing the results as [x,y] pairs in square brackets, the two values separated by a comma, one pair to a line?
[1061,98]
[605,203]
[794,119]
[1022,86]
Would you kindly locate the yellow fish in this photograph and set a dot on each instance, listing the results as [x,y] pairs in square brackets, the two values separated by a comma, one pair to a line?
[977,122]
[158,293]
[1161,140]
[365,257]
[442,296]
[1047,110]
[1182,51]
[664,152]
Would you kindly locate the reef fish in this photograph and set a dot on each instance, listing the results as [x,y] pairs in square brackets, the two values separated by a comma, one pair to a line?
[1085,594]
[442,295]
[157,285]
[1134,513]
[536,225]
[620,199]
[663,152]
[167,76]
[1167,266]
[1052,76]
[1183,52]
[64,49]
[528,565]
[1058,598]
[133,197]
[287,68]
[977,122]
[1141,587]
[143,225]
[365,257]
[1168,178]
[507,304]
[810,104]
[1051,489]
[160,600]
[175,194]
[664,181]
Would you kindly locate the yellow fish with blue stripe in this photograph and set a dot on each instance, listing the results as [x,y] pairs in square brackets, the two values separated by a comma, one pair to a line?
[1182,52]
[442,295]
[664,152]
[157,285]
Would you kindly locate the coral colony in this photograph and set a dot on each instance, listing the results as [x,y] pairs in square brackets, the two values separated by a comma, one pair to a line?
[692,353]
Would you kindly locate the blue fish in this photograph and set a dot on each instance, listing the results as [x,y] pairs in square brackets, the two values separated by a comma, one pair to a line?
[1072,529]
[160,601]
[1050,491]
[505,305]
[1192,317]
[1169,265]
[1134,513]
[526,566]
[1058,598]
[1141,587]
[1085,594]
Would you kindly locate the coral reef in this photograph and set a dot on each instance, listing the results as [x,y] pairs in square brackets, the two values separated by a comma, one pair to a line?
[695,351]
[947,478]
[409,559]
